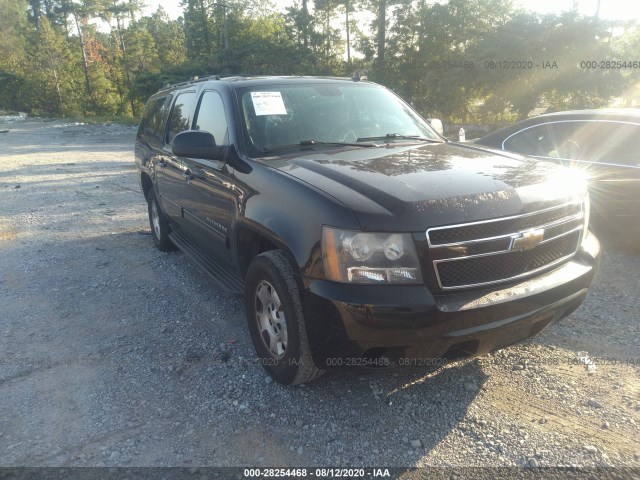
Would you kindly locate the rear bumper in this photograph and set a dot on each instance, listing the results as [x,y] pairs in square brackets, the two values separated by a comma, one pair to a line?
[351,325]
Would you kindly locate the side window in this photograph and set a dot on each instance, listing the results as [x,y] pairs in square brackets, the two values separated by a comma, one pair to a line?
[151,122]
[556,140]
[613,142]
[179,120]
[211,117]
[532,141]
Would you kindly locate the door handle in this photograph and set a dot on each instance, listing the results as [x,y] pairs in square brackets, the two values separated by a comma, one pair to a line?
[189,174]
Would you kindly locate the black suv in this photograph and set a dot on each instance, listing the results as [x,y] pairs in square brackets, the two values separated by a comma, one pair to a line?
[358,235]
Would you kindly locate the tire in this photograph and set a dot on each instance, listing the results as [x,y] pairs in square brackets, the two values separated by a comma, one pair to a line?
[275,320]
[160,228]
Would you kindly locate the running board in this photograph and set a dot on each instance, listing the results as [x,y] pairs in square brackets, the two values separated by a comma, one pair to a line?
[220,273]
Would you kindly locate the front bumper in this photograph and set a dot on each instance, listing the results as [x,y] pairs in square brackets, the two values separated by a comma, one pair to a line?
[358,325]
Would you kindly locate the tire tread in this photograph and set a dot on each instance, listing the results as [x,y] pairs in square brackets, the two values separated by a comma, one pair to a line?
[307,370]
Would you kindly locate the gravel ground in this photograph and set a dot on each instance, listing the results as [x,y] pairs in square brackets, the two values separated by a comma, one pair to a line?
[115,354]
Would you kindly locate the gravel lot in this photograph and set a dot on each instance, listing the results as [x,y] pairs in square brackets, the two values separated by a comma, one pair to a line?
[115,354]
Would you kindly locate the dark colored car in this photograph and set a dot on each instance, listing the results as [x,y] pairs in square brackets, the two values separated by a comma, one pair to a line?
[358,236]
[603,144]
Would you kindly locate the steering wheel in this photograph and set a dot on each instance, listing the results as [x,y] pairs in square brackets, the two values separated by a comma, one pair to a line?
[347,132]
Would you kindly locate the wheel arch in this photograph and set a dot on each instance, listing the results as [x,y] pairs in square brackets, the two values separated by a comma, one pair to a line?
[251,241]
[146,183]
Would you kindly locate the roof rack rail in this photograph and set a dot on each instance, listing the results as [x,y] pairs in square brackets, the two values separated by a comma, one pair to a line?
[196,78]
[193,79]
[231,76]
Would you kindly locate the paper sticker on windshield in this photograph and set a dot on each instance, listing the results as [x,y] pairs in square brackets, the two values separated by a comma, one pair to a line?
[268,103]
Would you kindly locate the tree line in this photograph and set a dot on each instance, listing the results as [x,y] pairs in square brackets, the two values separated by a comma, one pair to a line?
[462,60]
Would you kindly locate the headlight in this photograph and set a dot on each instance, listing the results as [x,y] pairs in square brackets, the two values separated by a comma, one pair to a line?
[359,257]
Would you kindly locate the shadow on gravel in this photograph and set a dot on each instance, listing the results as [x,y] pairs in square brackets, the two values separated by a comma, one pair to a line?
[111,346]
[606,324]
[409,411]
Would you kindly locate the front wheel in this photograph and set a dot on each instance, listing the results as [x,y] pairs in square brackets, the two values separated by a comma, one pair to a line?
[275,320]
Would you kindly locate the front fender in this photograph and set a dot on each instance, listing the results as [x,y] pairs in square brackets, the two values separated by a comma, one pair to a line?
[289,213]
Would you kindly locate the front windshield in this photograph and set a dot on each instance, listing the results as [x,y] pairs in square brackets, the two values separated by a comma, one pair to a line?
[281,115]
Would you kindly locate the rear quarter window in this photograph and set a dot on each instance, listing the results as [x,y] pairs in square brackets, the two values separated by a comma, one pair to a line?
[151,123]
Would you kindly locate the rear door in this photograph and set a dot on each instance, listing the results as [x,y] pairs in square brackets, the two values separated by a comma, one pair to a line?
[607,151]
[170,170]
[207,192]
[613,153]
[150,138]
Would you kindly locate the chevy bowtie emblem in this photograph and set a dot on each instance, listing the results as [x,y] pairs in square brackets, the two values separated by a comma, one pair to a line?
[526,240]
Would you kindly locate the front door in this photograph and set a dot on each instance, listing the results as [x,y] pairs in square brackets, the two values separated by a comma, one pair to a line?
[207,192]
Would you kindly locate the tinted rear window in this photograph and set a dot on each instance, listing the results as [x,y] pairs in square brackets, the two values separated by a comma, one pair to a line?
[151,123]
[179,120]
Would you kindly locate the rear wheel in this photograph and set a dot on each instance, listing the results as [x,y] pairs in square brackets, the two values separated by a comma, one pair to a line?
[275,320]
[159,225]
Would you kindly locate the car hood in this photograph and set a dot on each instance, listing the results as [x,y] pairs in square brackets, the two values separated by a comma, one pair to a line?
[408,188]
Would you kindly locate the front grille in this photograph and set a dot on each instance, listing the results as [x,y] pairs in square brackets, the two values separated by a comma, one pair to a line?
[499,250]
[489,269]
[499,227]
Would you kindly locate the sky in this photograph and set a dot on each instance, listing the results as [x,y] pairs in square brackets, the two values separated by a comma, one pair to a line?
[609,9]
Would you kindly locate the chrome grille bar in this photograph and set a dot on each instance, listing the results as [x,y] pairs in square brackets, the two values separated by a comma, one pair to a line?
[551,236]
[574,206]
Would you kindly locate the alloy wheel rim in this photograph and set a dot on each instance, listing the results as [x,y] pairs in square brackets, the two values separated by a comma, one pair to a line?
[271,320]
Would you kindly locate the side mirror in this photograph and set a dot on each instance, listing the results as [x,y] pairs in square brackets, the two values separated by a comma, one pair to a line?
[202,145]
[436,124]
[197,144]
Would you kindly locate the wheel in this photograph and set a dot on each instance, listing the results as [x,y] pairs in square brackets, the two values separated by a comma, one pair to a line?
[159,225]
[275,319]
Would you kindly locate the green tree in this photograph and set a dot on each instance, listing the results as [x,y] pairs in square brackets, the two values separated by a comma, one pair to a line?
[428,46]
[51,87]
[624,46]
[199,37]
[168,36]
[13,38]
[380,28]
[325,40]
[554,46]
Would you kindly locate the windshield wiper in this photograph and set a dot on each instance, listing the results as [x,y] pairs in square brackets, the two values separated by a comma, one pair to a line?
[312,143]
[391,136]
